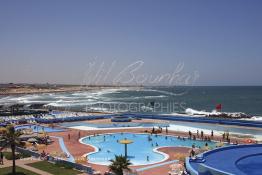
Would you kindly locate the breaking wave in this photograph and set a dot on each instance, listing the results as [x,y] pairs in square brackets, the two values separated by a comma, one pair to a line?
[191,111]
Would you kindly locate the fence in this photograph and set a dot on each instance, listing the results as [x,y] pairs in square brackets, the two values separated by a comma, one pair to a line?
[76,166]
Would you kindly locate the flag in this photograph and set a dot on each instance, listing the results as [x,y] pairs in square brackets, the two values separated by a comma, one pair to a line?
[218,107]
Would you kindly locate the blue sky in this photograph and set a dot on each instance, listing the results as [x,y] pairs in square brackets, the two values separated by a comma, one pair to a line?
[55,41]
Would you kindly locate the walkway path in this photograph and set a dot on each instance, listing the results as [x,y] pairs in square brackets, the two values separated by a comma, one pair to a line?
[22,163]
[156,165]
[38,171]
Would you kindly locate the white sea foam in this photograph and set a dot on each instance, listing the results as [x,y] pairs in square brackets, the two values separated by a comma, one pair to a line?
[141,97]
[191,111]
[106,96]
[164,92]
[255,118]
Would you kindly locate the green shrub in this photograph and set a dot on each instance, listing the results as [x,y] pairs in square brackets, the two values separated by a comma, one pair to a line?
[9,156]
[24,155]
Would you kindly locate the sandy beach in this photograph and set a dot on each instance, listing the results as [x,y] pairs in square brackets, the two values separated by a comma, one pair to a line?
[38,89]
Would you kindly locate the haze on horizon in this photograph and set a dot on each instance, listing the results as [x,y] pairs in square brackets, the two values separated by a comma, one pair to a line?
[69,42]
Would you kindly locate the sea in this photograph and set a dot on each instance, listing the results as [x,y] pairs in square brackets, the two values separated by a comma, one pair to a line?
[191,100]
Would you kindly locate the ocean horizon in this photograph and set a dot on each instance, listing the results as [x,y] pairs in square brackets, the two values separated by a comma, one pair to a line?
[156,100]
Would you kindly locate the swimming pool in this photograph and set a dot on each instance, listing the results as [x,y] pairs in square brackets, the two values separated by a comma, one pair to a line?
[250,164]
[39,128]
[114,125]
[142,151]
[239,160]
[236,131]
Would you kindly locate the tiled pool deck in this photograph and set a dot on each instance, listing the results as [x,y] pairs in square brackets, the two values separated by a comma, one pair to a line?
[76,149]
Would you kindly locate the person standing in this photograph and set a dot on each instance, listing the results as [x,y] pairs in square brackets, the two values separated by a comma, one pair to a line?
[227,136]
[197,134]
[190,134]
[79,135]
[202,135]
[224,135]
[1,158]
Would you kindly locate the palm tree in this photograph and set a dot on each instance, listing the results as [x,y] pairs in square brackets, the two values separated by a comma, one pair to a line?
[11,138]
[119,164]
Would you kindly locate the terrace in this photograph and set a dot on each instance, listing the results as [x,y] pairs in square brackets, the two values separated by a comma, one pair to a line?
[85,156]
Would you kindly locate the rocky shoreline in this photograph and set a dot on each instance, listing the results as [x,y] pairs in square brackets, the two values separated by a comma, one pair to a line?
[237,115]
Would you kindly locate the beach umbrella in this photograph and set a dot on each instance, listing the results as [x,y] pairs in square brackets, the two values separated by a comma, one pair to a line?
[42,134]
[62,155]
[32,140]
[28,144]
[28,131]
[205,148]
[2,130]
[54,154]
[176,168]
[41,146]
[49,141]
[81,159]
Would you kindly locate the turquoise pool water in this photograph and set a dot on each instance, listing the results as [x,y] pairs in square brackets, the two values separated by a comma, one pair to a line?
[107,147]
[39,128]
[115,125]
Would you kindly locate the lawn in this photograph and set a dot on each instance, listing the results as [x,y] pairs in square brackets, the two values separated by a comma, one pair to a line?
[54,168]
[19,171]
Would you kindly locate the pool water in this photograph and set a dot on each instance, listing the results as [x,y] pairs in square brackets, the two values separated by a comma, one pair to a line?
[39,128]
[107,147]
[251,164]
[176,126]
[115,125]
